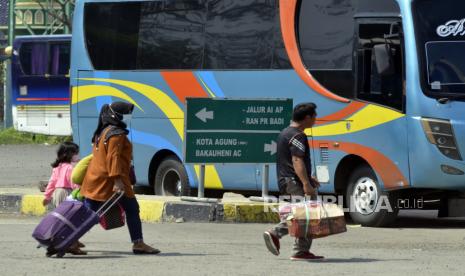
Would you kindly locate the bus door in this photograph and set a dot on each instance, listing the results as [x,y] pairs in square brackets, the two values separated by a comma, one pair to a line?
[380,82]
[85,113]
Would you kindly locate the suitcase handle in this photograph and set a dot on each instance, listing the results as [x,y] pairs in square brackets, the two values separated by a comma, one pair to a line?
[109,203]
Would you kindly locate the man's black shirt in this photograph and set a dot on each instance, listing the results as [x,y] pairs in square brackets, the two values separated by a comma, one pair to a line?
[291,142]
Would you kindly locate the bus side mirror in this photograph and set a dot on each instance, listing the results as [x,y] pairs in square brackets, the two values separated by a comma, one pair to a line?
[384,59]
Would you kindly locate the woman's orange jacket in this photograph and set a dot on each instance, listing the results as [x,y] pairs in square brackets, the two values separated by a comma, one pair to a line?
[110,161]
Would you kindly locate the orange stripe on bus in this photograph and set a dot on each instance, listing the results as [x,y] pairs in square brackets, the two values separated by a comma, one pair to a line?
[287,15]
[390,174]
[184,84]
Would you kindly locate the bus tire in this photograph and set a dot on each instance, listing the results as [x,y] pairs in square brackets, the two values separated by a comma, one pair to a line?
[171,178]
[367,203]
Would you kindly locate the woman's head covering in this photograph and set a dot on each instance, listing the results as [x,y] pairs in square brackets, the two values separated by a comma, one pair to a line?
[112,115]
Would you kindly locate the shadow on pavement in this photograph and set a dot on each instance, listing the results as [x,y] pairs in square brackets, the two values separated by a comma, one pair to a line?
[90,257]
[437,223]
[340,260]
[175,254]
[420,219]
[110,253]
[349,260]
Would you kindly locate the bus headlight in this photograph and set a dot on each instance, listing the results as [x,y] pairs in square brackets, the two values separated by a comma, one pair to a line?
[440,133]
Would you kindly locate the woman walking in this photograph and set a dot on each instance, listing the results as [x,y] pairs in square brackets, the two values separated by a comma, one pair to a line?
[109,170]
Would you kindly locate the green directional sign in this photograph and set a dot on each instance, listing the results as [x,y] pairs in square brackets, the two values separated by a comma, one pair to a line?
[232,114]
[234,130]
[222,147]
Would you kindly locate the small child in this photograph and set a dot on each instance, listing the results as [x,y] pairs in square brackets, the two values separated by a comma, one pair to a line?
[60,184]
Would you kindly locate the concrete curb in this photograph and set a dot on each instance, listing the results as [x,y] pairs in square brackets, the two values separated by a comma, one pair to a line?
[155,209]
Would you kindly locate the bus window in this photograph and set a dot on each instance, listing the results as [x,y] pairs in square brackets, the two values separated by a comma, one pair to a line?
[371,86]
[59,59]
[280,57]
[171,37]
[240,34]
[112,33]
[185,34]
[33,58]
[325,31]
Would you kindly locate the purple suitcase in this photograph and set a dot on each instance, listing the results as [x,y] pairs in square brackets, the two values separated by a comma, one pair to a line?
[68,223]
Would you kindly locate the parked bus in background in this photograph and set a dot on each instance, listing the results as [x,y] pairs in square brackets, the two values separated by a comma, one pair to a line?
[40,84]
[387,77]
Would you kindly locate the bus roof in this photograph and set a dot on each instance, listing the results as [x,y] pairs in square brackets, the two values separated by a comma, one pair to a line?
[113,1]
[42,38]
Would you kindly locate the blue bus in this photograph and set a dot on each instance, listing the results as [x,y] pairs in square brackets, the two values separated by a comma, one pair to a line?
[387,76]
[40,84]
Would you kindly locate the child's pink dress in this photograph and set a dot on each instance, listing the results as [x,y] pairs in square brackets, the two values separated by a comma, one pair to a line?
[60,185]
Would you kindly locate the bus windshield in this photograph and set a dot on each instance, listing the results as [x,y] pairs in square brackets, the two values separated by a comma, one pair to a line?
[440,34]
[445,62]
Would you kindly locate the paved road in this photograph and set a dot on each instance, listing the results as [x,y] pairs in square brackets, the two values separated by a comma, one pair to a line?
[235,249]
[25,165]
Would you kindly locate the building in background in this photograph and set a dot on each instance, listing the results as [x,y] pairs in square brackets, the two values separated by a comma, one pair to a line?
[39,17]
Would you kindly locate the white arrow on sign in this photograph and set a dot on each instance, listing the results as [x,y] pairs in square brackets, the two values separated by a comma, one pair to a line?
[203,115]
[271,148]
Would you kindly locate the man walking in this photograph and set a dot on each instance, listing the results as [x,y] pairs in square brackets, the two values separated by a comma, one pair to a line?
[294,176]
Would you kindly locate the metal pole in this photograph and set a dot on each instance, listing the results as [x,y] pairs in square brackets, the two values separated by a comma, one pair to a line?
[7,112]
[266,180]
[265,186]
[11,22]
[68,15]
[2,94]
[201,189]
[7,120]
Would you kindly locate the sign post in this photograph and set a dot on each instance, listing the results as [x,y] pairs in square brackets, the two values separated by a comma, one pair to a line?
[201,188]
[265,185]
[235,131]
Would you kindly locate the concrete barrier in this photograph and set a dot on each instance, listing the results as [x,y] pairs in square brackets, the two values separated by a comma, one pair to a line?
[154,209]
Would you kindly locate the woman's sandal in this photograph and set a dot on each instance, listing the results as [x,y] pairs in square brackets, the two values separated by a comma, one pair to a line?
[145,252]
[50,252]
[76,251]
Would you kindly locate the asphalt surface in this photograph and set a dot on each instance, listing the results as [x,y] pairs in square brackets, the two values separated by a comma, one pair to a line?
[419,245]
[25,165]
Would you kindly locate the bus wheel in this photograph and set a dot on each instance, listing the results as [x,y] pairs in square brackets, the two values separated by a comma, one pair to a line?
[368,204]
[171,178]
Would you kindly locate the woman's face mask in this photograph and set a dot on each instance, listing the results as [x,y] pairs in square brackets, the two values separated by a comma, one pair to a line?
[127,118]
[75,158]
